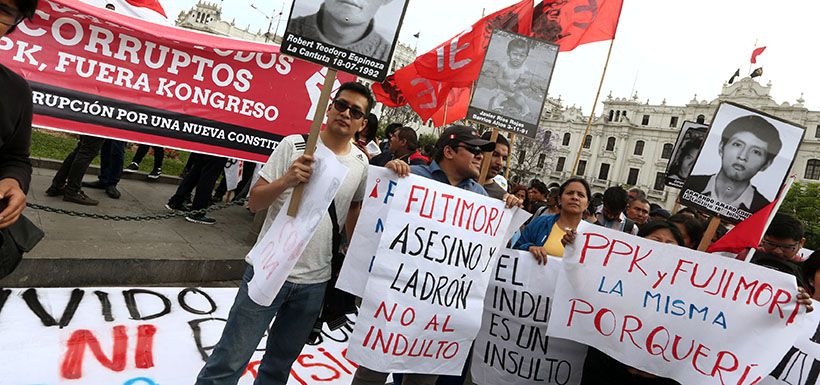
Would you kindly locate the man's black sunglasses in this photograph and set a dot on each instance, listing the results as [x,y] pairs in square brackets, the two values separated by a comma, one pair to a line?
[475,150]
[9,16]
[342,106]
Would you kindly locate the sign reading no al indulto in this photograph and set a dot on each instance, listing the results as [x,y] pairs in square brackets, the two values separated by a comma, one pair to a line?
[357,37]
[672,311]
[422,304]
[512,346]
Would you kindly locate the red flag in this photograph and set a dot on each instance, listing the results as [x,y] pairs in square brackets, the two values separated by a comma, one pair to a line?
[458,60]
[757,52]
[388,93]
[574,22]
[748,233]
[455,108]
[150,10]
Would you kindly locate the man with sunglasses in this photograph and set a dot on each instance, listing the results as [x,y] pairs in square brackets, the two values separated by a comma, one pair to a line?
[299,301]
[456,161]
[15,122]
[784,238]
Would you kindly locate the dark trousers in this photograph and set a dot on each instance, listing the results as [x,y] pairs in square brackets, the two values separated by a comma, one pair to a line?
[142,150]
[204,172]
[76,163]
[112,155]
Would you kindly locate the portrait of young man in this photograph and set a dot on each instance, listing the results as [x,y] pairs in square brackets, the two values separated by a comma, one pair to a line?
[353,25]
[747,145]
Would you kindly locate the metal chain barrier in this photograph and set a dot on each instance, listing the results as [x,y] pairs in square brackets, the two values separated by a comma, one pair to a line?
[135,218]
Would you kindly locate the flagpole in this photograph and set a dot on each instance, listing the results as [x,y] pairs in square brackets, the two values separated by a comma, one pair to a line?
[594,105]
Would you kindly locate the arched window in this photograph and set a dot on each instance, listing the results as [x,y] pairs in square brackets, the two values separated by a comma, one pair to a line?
[547,136]
[610,144]
[588,141]
[567,137]
[813,169]
[611,115]
[618,116]
[667,151]
[701,119]
[639,147]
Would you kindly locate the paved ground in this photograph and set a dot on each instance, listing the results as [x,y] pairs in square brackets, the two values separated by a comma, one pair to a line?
[93,252]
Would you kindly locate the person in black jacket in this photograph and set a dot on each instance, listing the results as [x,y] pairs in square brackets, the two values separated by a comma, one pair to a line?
[15,122]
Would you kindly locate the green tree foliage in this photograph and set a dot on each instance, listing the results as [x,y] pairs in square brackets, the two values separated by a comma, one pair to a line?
[803,201]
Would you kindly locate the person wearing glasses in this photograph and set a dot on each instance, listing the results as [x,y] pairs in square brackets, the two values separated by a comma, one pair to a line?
[784,237]
[299,301]
[15,122]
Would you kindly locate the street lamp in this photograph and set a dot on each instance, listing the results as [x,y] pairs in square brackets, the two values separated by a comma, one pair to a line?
[270,21]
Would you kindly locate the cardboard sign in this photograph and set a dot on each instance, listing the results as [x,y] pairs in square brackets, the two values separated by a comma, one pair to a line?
[801,365]
[97,72]
[275,255]
[356,37]
[381,187]
[422,304]
[513,83]
[686,151]
[135,336]
[512,346]
[744,161]
[674,312]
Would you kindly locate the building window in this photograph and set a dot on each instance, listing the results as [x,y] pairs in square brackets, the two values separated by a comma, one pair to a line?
[587,141]
[560,165]
[547,136]
[611,115]
[603,174]
[667,151]
[817,132]
[660,180]
[521,156]
[541,159]
[632,180]
[813,169]
[610,144]
[618,116]
[582,168]
[567,137]
[639,147]
[701,119]
[674,122]
[645,120]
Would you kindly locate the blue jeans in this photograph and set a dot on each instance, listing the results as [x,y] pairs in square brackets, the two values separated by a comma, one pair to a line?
[296,308]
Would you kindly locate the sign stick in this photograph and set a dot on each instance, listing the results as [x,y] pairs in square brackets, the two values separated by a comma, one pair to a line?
[709,233]
[310,146]
[488,157]
[507,171]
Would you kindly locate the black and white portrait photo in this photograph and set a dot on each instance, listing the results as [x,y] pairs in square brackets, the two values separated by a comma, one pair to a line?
[354,36]
[687,148]
[513,83]
[743,163]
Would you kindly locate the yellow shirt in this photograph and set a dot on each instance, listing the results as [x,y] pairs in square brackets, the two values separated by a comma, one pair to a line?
[553,244]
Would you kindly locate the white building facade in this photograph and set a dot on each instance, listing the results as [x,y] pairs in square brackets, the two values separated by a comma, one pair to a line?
[631,142]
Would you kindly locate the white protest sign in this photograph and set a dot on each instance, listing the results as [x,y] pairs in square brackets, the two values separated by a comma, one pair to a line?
[422,304]
[672,311]
[135,336]
[274,256]
[512,346]
[381,187]
[801,365]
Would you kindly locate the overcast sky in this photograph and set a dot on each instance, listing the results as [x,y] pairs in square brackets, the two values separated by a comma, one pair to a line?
[663,50]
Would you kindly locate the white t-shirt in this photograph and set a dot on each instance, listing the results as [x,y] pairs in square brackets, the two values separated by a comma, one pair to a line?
[314,264]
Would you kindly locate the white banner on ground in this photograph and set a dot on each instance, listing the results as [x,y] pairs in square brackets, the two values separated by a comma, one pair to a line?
[382,185]
[672,311]
[135,336]
[512,346]
[422,304]
[801,365]
[275,255]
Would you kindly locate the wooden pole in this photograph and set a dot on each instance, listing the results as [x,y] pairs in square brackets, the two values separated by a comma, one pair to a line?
[594,105]
[509,156]
[488,158]
[706,241]
[310,146]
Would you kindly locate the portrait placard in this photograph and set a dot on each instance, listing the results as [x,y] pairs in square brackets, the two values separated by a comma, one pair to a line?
[687,148]
[355,36]
[513,83]
[744,162]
